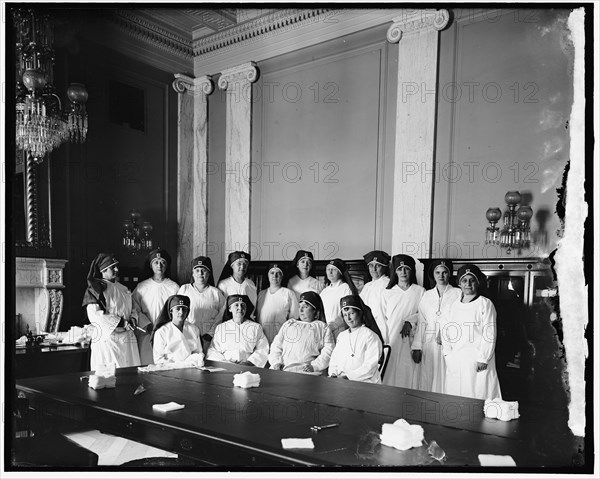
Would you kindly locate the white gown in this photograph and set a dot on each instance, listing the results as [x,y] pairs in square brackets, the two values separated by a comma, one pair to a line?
[171,344]
[274,309]
[239,342]
[331,296]
[398,307]
[357,355]
[230,286]
[111,345]
[299,285]
[433,365]
[468,337]
[371,295]
[149,297]
[206,309]
[299,343]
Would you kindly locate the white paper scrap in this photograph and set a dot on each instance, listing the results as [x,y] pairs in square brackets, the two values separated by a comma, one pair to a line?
[297,443]
[491,460]
[170,406]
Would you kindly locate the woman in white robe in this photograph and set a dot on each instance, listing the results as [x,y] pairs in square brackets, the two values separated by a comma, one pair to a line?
[469,340]
[275,304]
[338,284]
[400,302]
[299,276]
[304,344]
[378,263]
[174,339]
[239,339]
[207,303]
[233,278]
[358,349]
[109,309]
[434,308]
[149,297]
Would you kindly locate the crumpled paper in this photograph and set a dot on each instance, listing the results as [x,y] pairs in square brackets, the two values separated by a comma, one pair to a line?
[499,409]
[246,380]
[402,435]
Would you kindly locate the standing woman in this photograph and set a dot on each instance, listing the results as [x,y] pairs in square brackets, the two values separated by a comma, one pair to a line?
[275,304]
[358,348]
[469,340]
[434,308]
[233,278]
[400,302]
[304,344]
[207,303]
[299,273]
[239,339]
[378,263]
[174,338]
[149,297]
[338,284]
[109,308]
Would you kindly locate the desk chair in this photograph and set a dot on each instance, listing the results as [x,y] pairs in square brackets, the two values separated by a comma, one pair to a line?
[385,357]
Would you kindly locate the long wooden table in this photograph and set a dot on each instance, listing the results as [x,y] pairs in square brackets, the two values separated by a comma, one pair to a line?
[229,426]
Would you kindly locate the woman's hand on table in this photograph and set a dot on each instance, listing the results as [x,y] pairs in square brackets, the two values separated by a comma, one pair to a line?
[277,366]
[308,368]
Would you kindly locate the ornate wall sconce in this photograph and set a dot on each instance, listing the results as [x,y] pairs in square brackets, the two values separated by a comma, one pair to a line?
[515,231]
[137,239]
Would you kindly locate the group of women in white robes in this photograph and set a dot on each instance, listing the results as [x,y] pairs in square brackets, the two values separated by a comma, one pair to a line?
[441,340]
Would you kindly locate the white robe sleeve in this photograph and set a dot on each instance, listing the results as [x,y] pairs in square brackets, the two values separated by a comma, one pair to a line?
[105,322]
[294,308]
[335,360]
[321,362]
[219,316]
[142,319]
[158,348]
[370,361]
[276,351]
[487,320]
[420,331]
[261,350]
[216,348]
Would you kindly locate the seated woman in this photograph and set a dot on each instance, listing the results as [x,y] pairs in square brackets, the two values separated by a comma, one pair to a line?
[433,308]
[358,349]
[275,304]
[304,344]
[338,284]
[174,339]
[109,309]
[238,339]
[299,276]
[207,303]
[233,278]
[378,263]
[149,297]
[468,336]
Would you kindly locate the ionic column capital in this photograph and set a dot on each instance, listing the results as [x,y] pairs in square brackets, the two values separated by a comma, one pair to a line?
[183,83]
[415,21]
[245,72]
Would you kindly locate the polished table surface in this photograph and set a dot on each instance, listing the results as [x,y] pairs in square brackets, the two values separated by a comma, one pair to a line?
[222,424]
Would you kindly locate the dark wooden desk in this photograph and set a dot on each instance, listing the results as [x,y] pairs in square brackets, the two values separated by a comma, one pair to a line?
[50,360]
[224,425]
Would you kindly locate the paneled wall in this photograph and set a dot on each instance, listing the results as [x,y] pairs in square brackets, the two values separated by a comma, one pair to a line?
[321,150]
[503,117]
[120,167]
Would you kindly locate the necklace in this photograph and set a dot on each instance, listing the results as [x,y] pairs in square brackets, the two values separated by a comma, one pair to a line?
[350,342]
[439,311]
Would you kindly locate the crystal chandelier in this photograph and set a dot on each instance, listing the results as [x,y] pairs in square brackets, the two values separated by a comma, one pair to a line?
[41,123]
[137,239]
[515,231]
